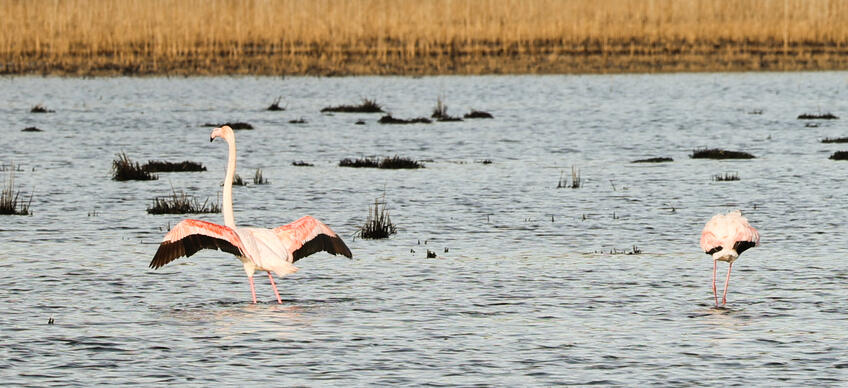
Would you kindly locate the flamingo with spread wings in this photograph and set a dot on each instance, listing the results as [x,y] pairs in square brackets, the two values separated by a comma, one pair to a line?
[725,237]
[259,249]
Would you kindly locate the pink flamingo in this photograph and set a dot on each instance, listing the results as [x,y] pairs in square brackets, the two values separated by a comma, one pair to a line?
[271,250]
[725,237]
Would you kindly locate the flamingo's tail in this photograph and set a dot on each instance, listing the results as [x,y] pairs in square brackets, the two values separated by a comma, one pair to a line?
[283,269]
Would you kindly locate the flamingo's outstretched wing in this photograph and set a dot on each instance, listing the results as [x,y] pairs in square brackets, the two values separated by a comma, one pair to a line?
[307,236]
[190,236]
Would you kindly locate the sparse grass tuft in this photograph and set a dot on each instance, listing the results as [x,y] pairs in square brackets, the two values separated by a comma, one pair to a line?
[367,106]
[388,119]
[237,181]
[726,177]
[378,224]
[399,162]
[365,162]
[164,166]
[275,106]
[258,179]
[124,169]
[839,155]
[11,202]
[835,140]
[40,109]
[653,160]
[181,204]
[716,153]
[817,116]
[478,114]
[440,112]
[301,163]
[575,179]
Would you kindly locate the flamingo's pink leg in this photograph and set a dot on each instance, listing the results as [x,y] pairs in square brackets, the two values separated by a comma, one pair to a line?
[715,293]
[252,290]
[274,285]
[726,282]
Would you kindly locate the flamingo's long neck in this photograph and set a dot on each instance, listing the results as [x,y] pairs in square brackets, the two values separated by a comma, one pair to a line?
[227,206]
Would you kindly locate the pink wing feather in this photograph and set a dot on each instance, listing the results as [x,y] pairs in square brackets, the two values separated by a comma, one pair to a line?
[190,236]
[307,235]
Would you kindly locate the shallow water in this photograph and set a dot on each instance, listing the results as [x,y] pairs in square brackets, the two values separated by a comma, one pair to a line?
[524,295]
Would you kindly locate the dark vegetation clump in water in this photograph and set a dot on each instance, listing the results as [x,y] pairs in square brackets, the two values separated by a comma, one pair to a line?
[440,112]
[234,126]
[298,121]
[716,153]
[40,109]
[31,129]
[835,140]
[124,169]
[399,162]
[365,162]
[811,125]
[181,204]
[237,181]
[431,254]
[275,106]
[388,119]
[367,106]
[378,224]
[727,176]
[575,179]
[360,122]
[164,166]
[11,202]
[478,114]
[485,161]
[817,116]
[258,179]
[839,155]
[653,160]
[301,163]
[633,251]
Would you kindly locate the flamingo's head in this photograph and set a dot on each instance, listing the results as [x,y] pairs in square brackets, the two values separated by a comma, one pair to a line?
[225,131]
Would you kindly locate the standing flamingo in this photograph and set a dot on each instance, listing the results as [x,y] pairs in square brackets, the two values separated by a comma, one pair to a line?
[725,237]
[271,250]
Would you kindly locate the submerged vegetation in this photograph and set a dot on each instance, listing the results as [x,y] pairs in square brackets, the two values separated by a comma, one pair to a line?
[835,140]
[727,176]
[839,155]
[717,153]
[378,224]
[817,116]
[124,169]
[300,163]
[40,109]
[11,202]
[653,160]
[165,166]
[388,119]
[478,114]
[181,204]
[367,106]
[394,162]
[359,163]
[31,129]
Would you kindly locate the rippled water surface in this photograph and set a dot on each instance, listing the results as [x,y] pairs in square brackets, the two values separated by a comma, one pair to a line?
[525,289]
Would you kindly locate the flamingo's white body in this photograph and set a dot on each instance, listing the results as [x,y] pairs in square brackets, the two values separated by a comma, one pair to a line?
[725,237]
[272,250]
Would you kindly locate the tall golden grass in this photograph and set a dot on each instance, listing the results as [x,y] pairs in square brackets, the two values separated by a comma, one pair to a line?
[418,37]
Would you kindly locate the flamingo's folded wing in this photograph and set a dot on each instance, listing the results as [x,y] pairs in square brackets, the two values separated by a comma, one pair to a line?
[190,236]
[307,236]
[709,243]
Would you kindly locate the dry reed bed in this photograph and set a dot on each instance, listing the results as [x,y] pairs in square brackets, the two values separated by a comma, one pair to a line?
[410,37]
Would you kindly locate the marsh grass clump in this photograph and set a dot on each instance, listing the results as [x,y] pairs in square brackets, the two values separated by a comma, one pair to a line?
[300,163]
[726,177]
[298,121]
[839,155]
[400,162]
[165,166]
[835,140]
[653,160]
[360,122]
[258,179]
[817,116]
[40,109]
[11,202]
[124,169]
[367,106]
[478,114]
[234,126]
[440,112]
[615,251]
[388,119]
[31,129]
[575,179]
[378,225]
[360,163]
[181,204]
[275,106]
[717,153]
[238,181]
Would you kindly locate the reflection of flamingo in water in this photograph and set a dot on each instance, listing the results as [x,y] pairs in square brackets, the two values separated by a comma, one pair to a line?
[725,237]
[272,250]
